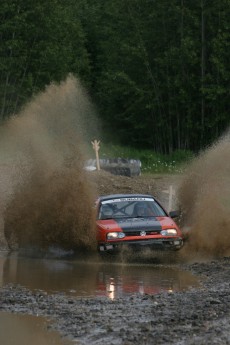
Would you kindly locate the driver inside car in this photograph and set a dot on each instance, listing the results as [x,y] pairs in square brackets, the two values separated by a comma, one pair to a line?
[140,210]
[106,212]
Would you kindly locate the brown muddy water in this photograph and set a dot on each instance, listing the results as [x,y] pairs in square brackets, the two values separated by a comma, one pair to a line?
[27,329]
[92,277]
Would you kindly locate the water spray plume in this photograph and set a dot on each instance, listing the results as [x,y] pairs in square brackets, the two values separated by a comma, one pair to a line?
[205,200]
[50,199]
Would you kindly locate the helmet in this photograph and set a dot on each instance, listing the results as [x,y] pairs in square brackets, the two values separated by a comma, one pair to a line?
[140,209]
[106,211]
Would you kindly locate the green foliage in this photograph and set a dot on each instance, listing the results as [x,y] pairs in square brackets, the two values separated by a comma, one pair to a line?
[41,42]
[152,162]
[157,71]
[151,88]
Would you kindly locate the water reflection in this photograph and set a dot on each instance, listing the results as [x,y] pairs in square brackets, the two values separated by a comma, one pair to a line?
[27,329]
[116,281]
[91,278]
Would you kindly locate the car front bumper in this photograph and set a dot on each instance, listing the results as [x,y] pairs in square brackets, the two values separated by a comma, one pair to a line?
[156,244]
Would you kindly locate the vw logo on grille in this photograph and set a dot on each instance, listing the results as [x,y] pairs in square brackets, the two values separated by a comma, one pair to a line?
[142,233]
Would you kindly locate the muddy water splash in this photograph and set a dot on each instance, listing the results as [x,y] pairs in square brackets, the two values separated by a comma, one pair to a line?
[49,198]
[205,199]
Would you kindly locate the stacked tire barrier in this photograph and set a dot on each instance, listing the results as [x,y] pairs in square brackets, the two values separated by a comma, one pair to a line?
[117,166]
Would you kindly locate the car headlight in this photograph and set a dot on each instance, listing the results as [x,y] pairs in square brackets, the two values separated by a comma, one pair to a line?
[114,235]
[169,232]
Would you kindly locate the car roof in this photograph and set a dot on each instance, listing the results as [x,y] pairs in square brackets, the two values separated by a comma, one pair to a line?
[119,196]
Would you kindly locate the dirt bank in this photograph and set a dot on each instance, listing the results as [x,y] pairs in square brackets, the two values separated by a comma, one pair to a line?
[198,316]
[158,185]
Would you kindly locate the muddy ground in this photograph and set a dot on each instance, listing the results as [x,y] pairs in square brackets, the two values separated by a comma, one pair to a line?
[197,316]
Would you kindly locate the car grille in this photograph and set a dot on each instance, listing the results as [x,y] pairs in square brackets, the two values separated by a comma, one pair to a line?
[138,232]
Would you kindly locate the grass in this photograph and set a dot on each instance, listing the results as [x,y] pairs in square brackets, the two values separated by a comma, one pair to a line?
[151,161]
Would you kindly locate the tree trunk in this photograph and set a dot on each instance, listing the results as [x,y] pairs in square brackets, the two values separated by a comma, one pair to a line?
[202,70]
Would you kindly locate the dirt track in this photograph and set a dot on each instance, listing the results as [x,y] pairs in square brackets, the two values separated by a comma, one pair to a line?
[198,316]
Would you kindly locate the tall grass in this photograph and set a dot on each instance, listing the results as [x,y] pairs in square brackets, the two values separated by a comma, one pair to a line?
[152,162]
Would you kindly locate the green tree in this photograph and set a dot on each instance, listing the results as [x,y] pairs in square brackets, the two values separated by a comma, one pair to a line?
[41,42]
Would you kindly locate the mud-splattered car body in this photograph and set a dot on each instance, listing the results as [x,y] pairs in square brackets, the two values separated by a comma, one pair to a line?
[137,221]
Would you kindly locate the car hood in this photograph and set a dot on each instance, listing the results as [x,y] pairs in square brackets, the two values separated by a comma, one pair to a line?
[139,224]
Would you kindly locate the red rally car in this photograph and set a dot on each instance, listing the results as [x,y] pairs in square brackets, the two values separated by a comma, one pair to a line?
[135,220]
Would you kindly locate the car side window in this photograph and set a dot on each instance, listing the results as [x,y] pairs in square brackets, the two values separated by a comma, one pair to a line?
[106,212]
[156,210]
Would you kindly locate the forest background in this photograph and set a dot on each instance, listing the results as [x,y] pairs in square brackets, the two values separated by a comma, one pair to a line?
[157,71]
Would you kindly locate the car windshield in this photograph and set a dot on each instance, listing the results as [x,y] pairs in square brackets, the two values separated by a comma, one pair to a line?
[130,208]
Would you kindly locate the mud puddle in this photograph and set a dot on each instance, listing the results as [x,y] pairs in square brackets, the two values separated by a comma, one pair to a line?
[27,329]
[92,277]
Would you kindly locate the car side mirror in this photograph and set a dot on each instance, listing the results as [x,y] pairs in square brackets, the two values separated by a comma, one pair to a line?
[174,214]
